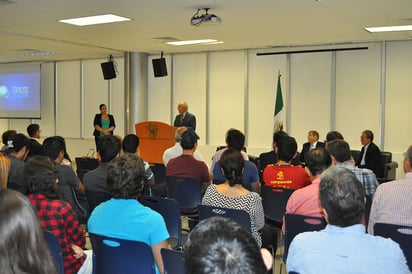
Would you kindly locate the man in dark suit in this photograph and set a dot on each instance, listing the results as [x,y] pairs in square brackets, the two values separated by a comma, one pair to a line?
[370,156]
[184,118]
[35,148]
[313,142]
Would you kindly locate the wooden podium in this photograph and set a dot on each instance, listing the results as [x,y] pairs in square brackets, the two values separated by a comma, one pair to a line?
[155,137]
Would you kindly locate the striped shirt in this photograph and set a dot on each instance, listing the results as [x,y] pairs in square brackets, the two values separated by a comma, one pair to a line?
[392,203]
[365,176]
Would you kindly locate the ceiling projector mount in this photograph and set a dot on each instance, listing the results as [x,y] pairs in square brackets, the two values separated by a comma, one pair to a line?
[202,17]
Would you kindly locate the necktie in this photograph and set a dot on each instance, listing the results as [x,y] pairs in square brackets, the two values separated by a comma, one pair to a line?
[181,119]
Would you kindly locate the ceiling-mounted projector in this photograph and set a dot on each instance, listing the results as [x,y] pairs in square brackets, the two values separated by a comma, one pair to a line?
[199,19]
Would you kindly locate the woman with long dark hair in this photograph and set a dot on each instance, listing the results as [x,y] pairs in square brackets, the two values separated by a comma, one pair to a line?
[23,248]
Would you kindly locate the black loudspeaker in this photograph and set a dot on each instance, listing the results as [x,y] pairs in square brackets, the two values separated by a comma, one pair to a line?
[108,70]
[159,67]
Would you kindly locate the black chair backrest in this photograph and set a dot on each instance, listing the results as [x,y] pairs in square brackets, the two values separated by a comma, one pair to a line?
[159,172]
[94,198]
[295,224]
[402,234]
[173,261]
[112,255]
[170,211]
[240,216]
[55,250]
[186,191]
[274,203]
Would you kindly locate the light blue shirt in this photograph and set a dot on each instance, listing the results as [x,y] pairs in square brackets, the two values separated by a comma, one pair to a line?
[128,219]
[344,250]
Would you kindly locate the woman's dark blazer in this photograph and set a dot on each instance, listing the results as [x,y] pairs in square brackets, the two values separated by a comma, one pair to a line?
[98,121]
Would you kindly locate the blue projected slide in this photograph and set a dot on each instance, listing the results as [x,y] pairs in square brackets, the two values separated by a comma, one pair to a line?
[20,91]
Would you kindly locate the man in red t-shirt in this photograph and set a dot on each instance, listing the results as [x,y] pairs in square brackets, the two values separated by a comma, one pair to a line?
[283,173]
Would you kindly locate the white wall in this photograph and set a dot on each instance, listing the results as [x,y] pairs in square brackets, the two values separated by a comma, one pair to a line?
[347,91]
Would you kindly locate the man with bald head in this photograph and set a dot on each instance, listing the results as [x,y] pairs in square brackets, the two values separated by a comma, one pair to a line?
[184,118]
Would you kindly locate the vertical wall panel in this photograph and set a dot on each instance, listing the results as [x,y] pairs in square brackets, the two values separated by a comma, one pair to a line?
[227,94]
[263,76]
[47,121]
[358,93]
[310,95]
[68,116]
[117,99]
[191,89]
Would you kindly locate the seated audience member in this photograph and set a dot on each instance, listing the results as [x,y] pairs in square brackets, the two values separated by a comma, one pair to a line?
[333,135]
[339,151]
[234,139]
[22,245]
[66,158]
[123,216]
[283,173]
[186,165]
[130,144]
[313,142]
[4,171]
[16,152]
[53,147]
[177,150]
[33,130]
[305,201]
[270,157]
[343,246]
[250,172]
[220,245]
[5,137]
[95,180]
[370,156]
[232,194]
[41,177]
[392,200]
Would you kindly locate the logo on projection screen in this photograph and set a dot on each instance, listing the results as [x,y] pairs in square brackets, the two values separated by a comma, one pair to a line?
[4,92]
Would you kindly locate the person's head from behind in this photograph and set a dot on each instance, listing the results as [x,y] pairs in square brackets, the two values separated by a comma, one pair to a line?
[6,135]
[18,146]
[341,196]
[109,148]
[286,148]
[235,139]
[22,245]
[407,162]
[317,161]
[125,177]
[130,143]
[333,135]
[40,176]
[33,130]
[189,140]
[53,148]
[232,163]
[339,151]
[4,171]
[63,141]
[220,245]
[277,135]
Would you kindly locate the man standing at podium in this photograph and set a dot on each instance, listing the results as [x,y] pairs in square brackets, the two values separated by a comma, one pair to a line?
[184,118]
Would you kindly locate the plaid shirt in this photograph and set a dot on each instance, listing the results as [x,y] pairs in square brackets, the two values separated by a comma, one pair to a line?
[365,176]
[58,217]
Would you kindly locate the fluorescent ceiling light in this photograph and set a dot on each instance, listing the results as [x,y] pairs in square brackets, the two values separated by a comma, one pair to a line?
[390,28]
[94,20]
[194,42]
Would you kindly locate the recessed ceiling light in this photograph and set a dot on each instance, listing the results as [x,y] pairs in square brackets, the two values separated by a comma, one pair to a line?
[94,20]
[390,28]
[194,42]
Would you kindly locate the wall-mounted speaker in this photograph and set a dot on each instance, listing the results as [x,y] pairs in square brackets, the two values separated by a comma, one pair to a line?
[108,70]
[159,67]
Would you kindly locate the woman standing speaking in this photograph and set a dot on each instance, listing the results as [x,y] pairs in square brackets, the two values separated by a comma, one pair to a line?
[103,124]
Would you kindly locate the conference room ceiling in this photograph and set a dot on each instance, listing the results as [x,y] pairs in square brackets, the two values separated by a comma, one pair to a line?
[32,26]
